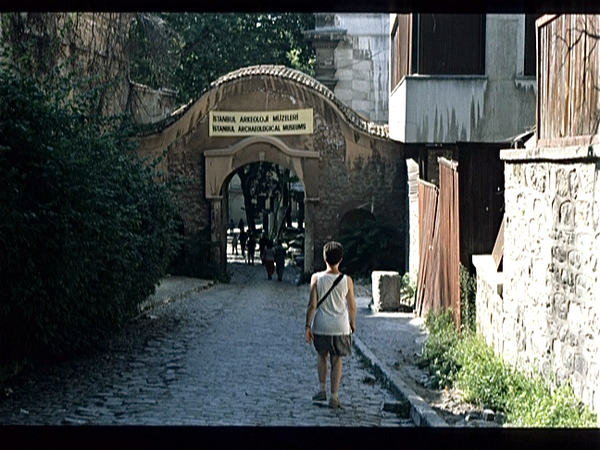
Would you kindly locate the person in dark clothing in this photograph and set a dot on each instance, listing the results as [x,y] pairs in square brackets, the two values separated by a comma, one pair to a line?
[279,260]
[243,240]
[269,259]
[262,245]
[251,249]
[241,225]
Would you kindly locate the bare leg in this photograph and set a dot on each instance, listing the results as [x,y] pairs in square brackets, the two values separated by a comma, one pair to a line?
[322,367]
[336,373]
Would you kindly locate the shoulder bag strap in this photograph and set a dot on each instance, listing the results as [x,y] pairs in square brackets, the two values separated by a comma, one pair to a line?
[337,280]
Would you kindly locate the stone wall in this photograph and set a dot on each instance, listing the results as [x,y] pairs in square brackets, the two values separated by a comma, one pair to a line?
[147,105]
[352,59]
[489,304]
[413,216]
[550,316]
[347,163]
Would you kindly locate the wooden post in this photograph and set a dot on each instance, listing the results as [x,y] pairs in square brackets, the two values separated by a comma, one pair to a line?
[498,251]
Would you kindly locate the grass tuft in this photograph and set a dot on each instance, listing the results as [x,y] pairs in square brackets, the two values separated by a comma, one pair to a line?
[487,381]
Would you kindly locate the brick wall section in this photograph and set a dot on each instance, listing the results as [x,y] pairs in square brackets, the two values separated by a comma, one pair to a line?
[550,316]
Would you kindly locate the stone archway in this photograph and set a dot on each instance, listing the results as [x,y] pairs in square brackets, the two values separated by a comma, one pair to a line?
[220,163]
[342,159]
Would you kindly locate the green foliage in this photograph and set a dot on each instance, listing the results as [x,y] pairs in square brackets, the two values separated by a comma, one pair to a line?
[560,410]
[484,378]
[85,231]
[409,285]
[152,49]
[489,382]
[194,49]
[439,354]
[195,260]
[262,179]
[468,294]
[371,244]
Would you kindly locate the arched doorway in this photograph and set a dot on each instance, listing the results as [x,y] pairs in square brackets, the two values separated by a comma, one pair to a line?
[222,163]
[281,116]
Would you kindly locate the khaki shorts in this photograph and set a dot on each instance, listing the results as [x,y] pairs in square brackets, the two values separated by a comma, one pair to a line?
[334,345]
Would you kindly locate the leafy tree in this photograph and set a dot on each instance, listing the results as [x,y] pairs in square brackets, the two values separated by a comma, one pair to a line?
[88,46]
[199,48]
[263,178]
[85,230]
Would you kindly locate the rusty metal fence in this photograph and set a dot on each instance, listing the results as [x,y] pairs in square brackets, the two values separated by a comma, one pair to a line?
[438,282]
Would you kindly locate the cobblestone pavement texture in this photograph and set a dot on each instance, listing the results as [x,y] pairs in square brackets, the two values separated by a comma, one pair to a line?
[232,354]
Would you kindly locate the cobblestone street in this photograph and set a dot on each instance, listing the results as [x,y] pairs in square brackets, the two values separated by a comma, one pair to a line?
[233,354]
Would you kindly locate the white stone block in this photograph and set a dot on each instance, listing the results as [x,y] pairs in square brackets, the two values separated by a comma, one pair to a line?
[386,288]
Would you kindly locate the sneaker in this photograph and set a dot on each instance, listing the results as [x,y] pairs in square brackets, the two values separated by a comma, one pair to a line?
[320,397]
[335,403]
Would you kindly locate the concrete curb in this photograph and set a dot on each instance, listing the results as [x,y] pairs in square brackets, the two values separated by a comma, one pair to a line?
[165,293]
[420,412]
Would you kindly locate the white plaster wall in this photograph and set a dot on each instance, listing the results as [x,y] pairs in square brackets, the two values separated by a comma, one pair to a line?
[484,108]
[236,201]
[397,118]
[443,110]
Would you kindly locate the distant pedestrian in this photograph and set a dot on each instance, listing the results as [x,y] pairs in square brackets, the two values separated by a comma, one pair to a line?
[234,244]
[262,245]
[251,249]
[243,240]
[231,226]
[279,260]
[241,225]
[269,257]
[330,326]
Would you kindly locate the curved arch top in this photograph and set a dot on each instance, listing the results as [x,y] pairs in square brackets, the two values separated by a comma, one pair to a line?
[190,113]
[345,161]
[220,163]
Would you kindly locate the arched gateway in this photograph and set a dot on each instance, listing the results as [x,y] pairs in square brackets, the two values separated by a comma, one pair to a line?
[279,115]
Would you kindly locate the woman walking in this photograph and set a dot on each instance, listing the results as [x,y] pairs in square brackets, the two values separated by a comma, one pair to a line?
[330,325]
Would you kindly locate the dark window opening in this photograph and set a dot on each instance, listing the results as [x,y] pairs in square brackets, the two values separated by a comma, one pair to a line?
[449,44]
[530,44]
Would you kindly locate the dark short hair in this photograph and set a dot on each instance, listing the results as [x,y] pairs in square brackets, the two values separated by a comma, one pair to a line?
[333,252]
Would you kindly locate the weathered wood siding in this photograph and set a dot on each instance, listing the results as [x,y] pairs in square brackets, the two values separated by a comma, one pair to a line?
[568,84]
[401,48]
[438,283]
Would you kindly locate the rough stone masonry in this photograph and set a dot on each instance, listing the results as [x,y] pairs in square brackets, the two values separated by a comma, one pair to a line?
[549,315]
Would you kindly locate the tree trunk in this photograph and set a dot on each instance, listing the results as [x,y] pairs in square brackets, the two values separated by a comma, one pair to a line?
[245,178]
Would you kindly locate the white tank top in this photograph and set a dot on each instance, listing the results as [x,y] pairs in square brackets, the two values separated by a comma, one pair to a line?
[331,317]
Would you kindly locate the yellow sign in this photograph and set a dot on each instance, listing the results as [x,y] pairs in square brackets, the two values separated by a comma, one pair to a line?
[252,123]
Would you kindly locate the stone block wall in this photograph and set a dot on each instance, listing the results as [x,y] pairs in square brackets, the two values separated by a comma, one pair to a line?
[148,105]
[550,315]
[386,287]
[412,170]
[489,301]
[354,178]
